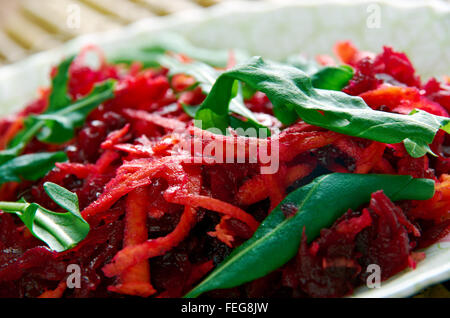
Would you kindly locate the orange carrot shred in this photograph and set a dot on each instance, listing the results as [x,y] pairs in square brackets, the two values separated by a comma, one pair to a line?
[56,293]
[257,189]
[133,255]
[136,280]
[214,205]
[369,157]
[12,130]
[221,233]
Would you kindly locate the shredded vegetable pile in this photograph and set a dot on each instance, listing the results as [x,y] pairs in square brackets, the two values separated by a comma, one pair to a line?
[107,170]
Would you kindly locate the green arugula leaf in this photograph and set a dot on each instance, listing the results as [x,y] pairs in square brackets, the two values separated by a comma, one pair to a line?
[10,153]
[417,150]
[29,167]
[206,76]
[190,110]
[150,50]
[328,77]
[60,231]
[303,64]
[58,99]
[154,54]
[58,125]
[292,93]
[319,204]
[59,96]
[332,78]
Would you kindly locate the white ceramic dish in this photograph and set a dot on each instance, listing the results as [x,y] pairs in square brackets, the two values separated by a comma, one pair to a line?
[276,30]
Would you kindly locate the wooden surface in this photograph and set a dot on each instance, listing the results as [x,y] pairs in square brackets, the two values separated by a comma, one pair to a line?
[28,26]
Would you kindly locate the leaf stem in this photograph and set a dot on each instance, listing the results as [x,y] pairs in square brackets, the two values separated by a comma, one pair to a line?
[26,138]
[13,206]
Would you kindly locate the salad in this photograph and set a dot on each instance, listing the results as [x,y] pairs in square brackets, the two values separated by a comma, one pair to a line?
[172,171]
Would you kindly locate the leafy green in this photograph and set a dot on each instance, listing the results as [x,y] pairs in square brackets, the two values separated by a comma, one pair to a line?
[190,110]
[303,64]
[59,96]
[60,231]
[206,76]
[328,77]
[57,125]
[154,54]
[293,96]
[29,167]
[10,153]
[58,99]
[319,204]
[150,50]
[332,78]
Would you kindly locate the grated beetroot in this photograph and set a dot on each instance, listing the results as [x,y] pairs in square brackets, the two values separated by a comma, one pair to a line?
[334,262]
[397,65]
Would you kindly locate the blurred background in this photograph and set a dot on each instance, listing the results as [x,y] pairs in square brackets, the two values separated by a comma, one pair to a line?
[29,26]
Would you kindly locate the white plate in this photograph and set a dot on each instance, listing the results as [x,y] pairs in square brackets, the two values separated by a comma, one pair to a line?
[420,28]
